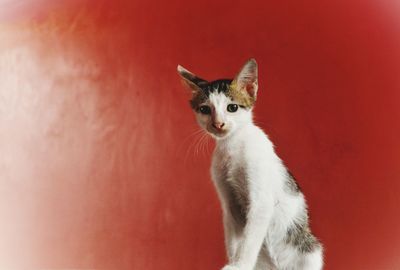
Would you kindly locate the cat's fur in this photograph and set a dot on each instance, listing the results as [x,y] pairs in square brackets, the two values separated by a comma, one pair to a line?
[264,211]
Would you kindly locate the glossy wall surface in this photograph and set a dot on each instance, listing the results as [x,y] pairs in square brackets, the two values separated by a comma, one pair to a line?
[99,163]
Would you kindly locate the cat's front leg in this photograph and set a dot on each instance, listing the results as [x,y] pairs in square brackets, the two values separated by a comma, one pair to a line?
[231,236]
[257,221]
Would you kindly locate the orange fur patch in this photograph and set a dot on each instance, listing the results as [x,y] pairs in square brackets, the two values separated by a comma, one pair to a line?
[240,95]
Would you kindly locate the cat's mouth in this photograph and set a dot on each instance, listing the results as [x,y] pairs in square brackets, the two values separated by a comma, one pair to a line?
[217,133]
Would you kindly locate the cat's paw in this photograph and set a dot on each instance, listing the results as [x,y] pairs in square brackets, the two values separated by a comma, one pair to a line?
[230,267]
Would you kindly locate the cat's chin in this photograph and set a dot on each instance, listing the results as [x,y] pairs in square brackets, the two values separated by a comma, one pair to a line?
[218,134]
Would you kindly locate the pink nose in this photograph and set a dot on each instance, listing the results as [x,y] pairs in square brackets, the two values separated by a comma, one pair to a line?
[218,126]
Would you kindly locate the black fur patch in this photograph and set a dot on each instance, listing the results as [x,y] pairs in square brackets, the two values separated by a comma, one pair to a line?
[224,86]
[238,196]
[291,184]
[299,235]
[219,86]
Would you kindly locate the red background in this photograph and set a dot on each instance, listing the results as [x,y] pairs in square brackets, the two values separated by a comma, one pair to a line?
[99,164]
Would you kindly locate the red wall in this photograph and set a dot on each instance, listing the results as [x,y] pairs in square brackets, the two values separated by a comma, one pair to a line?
[99,167]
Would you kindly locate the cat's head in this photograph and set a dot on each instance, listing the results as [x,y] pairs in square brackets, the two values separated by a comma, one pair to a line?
[223,106]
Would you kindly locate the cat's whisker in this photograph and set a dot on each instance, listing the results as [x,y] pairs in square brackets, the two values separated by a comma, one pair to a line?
[193,144]
[203,146]
[207,145]
[199,143]
[196,143]
[191,135]
[191,138]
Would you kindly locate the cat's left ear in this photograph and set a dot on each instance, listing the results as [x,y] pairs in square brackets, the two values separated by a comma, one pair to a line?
[191,80]
[247,78]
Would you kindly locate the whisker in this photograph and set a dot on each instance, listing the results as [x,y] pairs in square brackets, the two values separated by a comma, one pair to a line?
[208,146]
[187,140]
[192,145]
[199,142]
[204,140]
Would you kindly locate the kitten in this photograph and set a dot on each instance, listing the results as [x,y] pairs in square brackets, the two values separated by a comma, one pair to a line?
[264,211]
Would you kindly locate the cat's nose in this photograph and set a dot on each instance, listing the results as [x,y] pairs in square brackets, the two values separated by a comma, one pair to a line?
[218,125]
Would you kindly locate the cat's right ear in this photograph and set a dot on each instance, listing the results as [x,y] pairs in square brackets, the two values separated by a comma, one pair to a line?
[193,82]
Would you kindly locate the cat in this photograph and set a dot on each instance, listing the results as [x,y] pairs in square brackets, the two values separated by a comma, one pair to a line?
[265,215]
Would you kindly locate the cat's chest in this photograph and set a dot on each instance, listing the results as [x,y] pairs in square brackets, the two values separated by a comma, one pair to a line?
[231,176]
[231,170]
[234,171]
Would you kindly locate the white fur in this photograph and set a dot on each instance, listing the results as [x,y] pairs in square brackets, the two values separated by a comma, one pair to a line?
[246,150]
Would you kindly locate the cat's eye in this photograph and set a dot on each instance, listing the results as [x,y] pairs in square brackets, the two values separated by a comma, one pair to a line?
[232,107]
[205,109]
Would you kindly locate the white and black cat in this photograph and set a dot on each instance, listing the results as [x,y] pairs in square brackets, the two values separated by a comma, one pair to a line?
[264,211]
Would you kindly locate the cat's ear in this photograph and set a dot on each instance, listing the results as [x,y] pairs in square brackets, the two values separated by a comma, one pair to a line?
[247,78]
[191,80]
